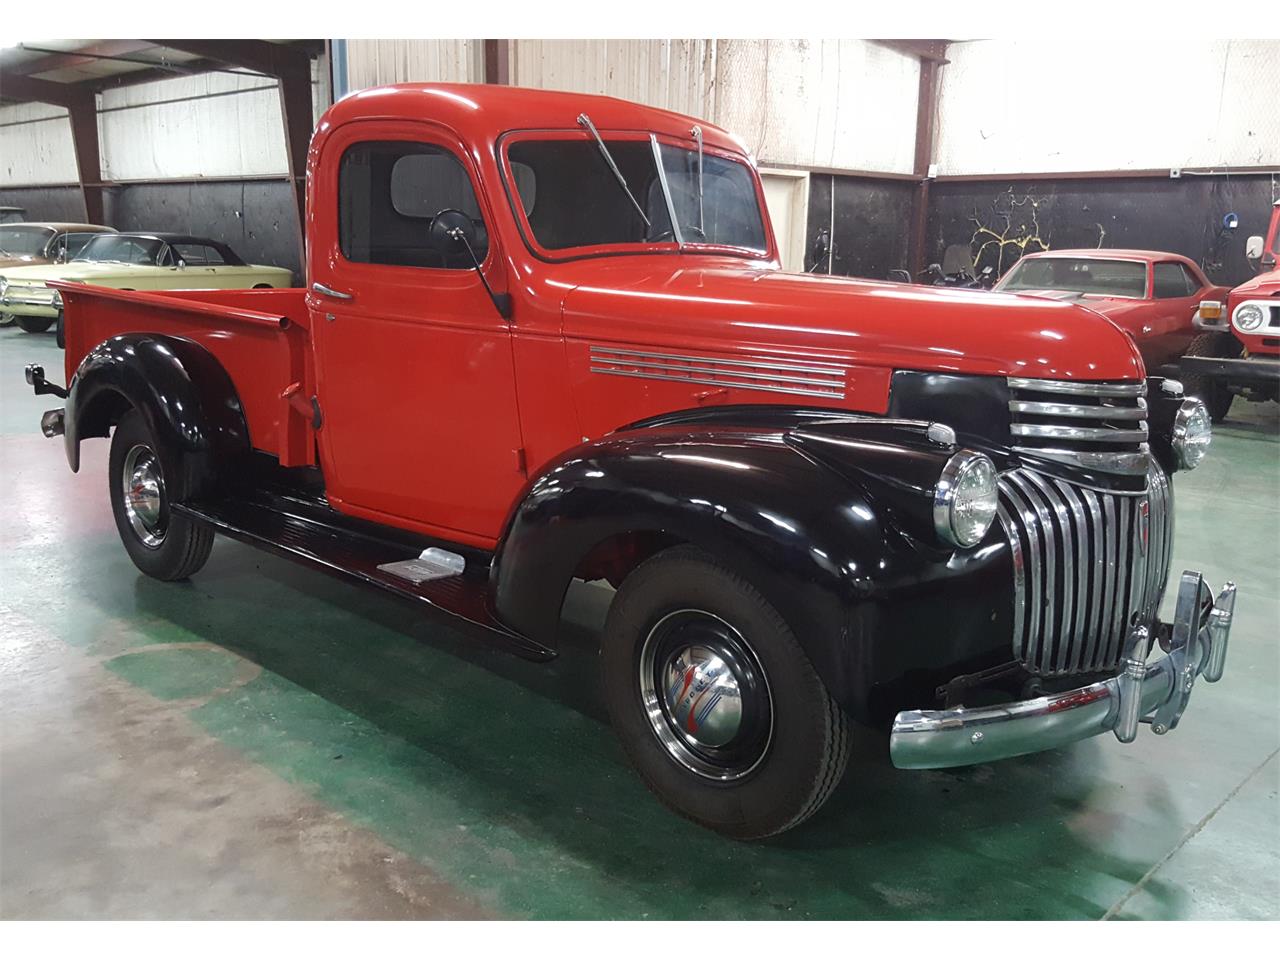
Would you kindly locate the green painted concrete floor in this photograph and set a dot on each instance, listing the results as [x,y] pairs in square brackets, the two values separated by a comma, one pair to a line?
[266,741]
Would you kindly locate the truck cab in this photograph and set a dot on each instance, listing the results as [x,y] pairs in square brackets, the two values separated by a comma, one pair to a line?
[546,336]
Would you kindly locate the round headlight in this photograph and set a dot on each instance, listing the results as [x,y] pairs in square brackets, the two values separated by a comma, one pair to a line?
[964,501]
[1192,433]
[1249,316]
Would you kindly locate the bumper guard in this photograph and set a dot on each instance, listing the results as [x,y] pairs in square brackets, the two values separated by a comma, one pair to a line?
[1154,692]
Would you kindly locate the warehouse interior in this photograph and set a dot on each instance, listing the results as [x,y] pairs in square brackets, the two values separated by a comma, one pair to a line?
[263,741]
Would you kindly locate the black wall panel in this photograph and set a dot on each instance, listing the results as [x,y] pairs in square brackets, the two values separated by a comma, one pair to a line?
[256,217]
[999,220]
[60,204]
[871,225]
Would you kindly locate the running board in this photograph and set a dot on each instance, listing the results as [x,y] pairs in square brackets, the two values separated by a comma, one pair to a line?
[325,539]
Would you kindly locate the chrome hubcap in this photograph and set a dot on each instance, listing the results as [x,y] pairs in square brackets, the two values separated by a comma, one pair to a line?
[705,694]
[144,499]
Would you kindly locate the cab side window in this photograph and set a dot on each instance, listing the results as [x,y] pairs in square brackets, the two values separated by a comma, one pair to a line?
[388,194]
[1173,280]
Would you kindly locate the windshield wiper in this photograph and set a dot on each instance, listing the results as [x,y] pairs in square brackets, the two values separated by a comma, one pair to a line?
[585,121]
[696,133]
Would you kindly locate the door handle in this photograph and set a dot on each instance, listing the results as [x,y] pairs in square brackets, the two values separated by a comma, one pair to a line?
[321,289]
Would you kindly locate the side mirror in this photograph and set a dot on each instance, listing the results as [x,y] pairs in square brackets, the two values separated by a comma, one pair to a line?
[182,264]
[1253,249]
[452,233]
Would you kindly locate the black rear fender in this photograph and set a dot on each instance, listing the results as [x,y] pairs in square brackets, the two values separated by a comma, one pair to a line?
[180,389]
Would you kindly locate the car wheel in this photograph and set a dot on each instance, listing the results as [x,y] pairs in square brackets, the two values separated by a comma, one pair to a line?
[60,330]
[1213,391]
[161,544]
[35,324]
[6,319]
[715,703]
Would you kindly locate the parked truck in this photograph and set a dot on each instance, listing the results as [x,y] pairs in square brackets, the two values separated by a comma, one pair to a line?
[545,336]
[1237,352]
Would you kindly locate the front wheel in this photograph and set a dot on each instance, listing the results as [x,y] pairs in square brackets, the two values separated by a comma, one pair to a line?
[161,543]
[715,702]
[35,324]
[60,330]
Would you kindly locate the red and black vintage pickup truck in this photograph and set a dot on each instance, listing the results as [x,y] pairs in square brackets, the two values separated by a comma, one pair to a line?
[545,336]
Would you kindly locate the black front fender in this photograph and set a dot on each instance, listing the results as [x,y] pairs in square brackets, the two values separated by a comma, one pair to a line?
[182,392]
[869,599]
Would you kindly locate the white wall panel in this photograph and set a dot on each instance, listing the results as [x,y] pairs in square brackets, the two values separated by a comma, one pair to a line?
[371,63]
[848,104]
[211,125]
[824,103]
[672,74]
[1034,106]
[35,145]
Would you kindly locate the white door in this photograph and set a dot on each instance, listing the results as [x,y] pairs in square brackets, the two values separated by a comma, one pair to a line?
[786,193]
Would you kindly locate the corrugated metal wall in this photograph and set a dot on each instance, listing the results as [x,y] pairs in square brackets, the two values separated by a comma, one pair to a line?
[1033,106]
[35,145]
[210,125]
[371,63]
[673,74]
[849,104]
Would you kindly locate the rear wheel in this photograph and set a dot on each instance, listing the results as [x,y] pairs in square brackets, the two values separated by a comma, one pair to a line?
[161,544]
[6,319]
[60,330]
[1212,390]
[715,702]
[35,324]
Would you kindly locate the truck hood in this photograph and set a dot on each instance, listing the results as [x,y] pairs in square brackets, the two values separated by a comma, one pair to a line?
[1263,285]
[650,302]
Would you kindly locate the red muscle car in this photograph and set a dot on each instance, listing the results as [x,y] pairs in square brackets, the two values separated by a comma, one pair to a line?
[1151,296]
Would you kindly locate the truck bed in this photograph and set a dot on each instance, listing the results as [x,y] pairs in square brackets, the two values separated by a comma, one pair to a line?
[259,337]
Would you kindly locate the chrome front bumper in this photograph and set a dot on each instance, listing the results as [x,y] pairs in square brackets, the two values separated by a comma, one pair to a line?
[1155,692]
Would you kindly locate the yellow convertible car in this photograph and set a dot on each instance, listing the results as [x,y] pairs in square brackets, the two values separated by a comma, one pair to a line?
[132,261]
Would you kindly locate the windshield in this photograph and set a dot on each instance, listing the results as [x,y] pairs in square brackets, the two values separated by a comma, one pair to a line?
[572,198]
[1082,275]
[117,249]
[24,241]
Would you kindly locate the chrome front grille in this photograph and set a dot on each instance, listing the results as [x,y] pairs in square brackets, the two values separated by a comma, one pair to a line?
[1092,425]
[1086,565]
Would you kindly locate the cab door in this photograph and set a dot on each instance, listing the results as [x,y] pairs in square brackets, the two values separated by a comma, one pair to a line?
[414,370]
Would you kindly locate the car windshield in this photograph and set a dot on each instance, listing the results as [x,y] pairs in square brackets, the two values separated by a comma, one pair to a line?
[1083,275]
[24,241]
[117,249]
[572,198]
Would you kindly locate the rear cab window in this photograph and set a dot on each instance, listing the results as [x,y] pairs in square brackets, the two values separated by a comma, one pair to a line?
[1172,280]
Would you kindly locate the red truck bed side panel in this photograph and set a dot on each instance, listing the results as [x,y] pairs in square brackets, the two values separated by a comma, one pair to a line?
[259,336]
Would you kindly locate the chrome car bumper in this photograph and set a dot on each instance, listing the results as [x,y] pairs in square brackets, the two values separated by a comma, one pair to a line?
[28,304]
[1155,692]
